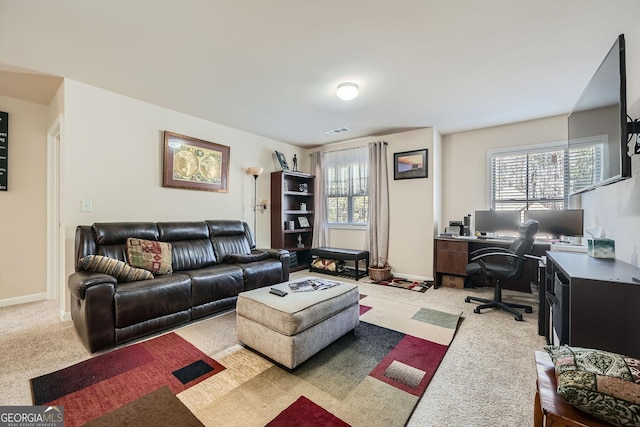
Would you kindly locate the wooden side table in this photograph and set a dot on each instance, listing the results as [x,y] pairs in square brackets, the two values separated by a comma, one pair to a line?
[550,409]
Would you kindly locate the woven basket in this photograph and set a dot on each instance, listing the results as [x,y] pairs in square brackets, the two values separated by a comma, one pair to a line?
[380,273]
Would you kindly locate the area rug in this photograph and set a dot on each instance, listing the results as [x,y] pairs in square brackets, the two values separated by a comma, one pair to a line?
[412,285]
[374,375]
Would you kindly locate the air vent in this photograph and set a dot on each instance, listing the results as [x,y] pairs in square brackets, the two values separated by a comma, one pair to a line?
[337,131]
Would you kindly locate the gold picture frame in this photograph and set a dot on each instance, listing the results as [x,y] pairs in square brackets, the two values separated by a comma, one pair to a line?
[195,164]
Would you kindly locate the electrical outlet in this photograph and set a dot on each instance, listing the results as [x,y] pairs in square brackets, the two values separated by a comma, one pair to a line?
[86,206]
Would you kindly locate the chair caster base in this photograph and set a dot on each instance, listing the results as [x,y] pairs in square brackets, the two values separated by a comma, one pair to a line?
[528,310]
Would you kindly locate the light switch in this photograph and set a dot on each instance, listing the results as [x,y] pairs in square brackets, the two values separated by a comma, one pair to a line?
[86,206]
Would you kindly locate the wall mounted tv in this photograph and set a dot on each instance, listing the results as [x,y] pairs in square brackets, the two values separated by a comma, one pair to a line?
[598,128]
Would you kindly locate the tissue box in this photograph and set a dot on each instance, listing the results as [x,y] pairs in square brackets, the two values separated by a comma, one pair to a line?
[602,248]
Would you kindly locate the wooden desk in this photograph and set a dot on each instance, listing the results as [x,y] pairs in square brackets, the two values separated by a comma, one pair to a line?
[601,310]
[452,256]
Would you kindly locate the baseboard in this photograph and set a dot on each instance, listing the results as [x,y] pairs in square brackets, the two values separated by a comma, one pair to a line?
[23,299]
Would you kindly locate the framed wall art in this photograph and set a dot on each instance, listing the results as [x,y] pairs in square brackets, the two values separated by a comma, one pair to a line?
[410,164]
[195,164]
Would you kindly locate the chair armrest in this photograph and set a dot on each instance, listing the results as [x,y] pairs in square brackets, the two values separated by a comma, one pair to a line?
[507,254]
[80,281]
[489,249]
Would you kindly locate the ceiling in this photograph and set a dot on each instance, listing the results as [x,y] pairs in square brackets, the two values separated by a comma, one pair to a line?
[271,67]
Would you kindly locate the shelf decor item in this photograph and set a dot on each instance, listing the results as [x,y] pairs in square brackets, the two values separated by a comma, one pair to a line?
[195,164]
[282,160]
[304,222]
[410,164]
[303,187]
[303,206]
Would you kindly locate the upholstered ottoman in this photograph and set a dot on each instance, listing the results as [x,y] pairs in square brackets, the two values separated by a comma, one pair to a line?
[292,328]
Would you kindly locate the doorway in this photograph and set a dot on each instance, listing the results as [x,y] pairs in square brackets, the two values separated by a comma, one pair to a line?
[55,245]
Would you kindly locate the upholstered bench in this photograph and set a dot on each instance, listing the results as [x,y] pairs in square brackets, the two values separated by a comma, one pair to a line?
[550,409]
[340,254]
[292,328]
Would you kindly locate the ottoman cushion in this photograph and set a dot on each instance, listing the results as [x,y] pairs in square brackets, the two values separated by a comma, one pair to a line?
[292,328]
[297,311]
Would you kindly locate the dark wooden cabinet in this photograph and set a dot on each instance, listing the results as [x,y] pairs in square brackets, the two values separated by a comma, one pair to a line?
[451,256]
[292,203]
[596,300]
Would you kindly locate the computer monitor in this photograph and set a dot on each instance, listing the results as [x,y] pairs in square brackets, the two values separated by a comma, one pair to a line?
[557,223]
[498,222]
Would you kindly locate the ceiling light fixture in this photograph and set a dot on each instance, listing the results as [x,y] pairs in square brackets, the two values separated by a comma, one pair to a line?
[347,91]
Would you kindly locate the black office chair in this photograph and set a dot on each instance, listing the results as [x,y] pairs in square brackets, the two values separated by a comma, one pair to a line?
[515,257]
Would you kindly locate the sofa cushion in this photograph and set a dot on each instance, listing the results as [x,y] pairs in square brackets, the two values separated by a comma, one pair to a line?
[118,269]
[230,237]
[150,255]
[215,283]
[138,302]
[191,247]
[606,385]
[244,258]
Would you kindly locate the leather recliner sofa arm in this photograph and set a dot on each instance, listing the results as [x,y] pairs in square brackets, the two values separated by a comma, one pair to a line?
[80,281]
[283,256]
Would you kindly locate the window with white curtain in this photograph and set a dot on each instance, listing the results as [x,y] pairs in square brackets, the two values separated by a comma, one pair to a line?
[538,177]
[346,185]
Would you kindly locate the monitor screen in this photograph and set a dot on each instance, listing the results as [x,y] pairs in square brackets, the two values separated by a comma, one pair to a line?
[499,222]
[557,223]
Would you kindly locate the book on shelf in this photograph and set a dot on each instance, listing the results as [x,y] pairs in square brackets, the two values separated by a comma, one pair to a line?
[315,284]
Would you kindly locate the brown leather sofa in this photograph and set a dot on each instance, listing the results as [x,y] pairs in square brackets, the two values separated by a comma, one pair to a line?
[212,263]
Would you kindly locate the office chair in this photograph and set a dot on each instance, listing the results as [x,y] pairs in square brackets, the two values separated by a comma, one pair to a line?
[515,257]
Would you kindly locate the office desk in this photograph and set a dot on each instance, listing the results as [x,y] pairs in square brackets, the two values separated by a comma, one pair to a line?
[600,299]
[452,256]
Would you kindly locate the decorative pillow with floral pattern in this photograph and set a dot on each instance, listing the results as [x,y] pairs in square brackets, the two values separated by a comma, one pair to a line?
[150,255]
[604,384]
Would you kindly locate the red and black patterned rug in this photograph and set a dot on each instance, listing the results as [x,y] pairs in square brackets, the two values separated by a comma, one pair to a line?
[412,285]
[374,375]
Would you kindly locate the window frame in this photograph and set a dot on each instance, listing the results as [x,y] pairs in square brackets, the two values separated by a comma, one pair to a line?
[528,149]
[346,225]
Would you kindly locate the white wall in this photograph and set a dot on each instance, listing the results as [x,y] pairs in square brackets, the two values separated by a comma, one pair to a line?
[616,207]
[111,154]
[411,208]
[23,206]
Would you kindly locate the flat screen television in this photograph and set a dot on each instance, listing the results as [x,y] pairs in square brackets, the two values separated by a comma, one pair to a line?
[557,223]
[497,222]
[597,127]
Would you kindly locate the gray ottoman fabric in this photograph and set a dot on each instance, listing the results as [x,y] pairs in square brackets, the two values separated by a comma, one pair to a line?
[293,328]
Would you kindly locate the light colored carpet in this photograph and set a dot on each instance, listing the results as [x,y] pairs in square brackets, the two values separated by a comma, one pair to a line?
[486,378]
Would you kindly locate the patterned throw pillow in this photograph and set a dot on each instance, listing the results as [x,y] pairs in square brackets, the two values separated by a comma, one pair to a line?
[606,385]
[328,265]
[122,271]
[150,255]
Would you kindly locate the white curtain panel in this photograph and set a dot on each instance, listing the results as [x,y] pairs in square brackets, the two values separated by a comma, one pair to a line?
[320,226]
[377,239]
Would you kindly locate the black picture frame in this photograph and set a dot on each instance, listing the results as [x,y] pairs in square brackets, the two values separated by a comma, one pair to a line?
[411,164]
[282,160]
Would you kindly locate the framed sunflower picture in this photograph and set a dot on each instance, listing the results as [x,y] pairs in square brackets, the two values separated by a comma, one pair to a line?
[195,164]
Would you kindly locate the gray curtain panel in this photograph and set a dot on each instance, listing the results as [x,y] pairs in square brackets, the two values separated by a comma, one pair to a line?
[377,239]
